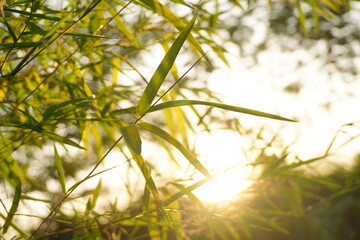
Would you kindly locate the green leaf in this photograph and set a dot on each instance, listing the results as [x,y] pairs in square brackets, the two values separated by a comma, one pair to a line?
[14,207]
[13,35]
[167,137]
[57,25]
[186,102]
[53,108]
[162,70]
[17,45]
[146,199]
[61,139]
[180,103]
[132,137]
[35,28]
[302,18]
[37,15]
[78,34]
[96,194]
[184,191]
[132,140]
[60,170]
[331,5]
[172,18]
[121,25]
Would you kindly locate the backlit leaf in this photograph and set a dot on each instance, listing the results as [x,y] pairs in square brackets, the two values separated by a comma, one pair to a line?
[61,139]
[18,45]
[132,138]
[14,207]
[162,70]
[132,144]
[60,170]
[167,137]
[56,107]
[179,103]
[186,102]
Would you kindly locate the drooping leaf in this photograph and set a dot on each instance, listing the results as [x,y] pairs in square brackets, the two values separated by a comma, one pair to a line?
[14,207]
[57,25]
[132,137]
[88,35]
[60,170]
[96,194]
[13,35]
[133,141]
[167,137]
[34,28]
[181,103]
[184,191]
[121,25]
[302,18]
[172,18]
[163,69]
[61,139]
[56,107]
[37,15]
[18,45]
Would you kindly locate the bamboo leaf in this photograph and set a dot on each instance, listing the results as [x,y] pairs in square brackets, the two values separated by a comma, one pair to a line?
[89,35]
[37,15]
[13,35]
[172,18]
[180,103]
[61,139]
[34,28]
[57,26]
[60,170]
[302,18]
[331,5]
[146,199]
[187,102]
[54,108]
[121,25]
[184,191]
[132,138]
[96,194]
[133,141]
[14,207]
[162,70]
[17,45]
[167,137]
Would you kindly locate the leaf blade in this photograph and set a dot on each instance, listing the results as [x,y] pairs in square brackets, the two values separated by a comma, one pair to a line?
[60,170]
[61,139]
[167,137]
[180,103]
[133,141]
[132,137]
[163,69]
[14,207]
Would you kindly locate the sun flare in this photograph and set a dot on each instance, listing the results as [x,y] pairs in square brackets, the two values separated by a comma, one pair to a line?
[221,153]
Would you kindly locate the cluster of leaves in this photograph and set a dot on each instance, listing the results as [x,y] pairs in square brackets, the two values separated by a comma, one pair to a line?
[63,85]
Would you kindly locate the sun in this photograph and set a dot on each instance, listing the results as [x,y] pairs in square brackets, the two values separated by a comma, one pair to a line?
[221,153]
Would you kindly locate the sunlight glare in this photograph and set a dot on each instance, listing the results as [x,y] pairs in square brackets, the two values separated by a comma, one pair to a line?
[221,153]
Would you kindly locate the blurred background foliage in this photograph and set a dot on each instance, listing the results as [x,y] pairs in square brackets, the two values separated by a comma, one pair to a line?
[71,70]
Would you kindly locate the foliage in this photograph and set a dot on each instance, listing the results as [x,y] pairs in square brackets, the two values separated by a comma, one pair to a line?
[72,80]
